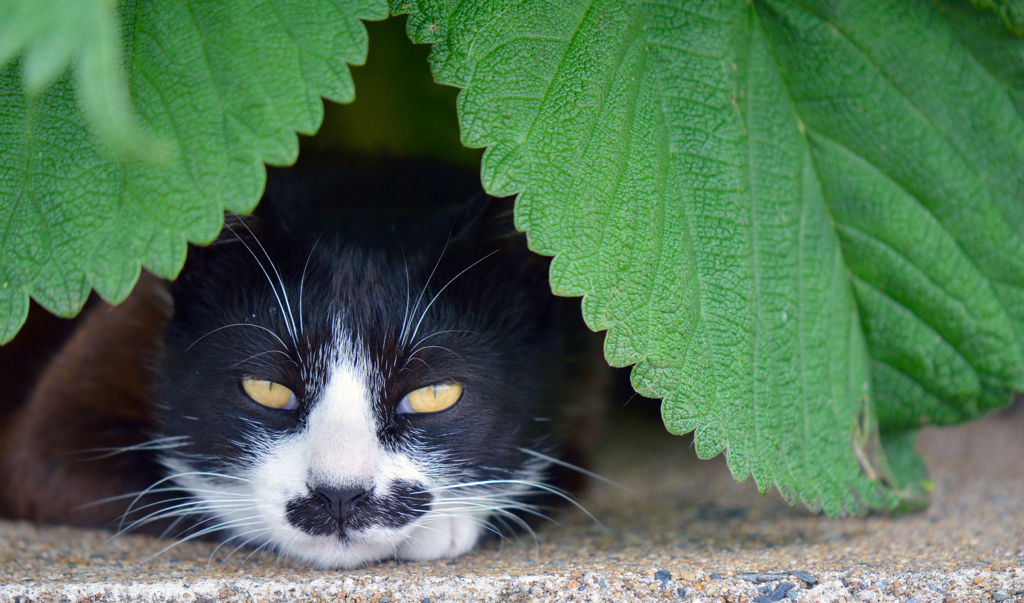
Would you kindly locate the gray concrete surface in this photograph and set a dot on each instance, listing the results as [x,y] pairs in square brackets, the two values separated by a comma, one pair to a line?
[684,531]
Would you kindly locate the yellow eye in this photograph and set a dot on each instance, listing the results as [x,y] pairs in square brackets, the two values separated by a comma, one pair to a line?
[269,393]
[432,398]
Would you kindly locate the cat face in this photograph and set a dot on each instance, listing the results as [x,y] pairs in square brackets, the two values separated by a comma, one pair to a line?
[343,403]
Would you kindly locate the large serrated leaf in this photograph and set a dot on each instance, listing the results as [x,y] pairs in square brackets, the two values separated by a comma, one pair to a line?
[225,85]
[767,206]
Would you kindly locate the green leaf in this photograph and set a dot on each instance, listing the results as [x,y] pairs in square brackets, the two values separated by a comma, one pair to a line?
[225,84]
[769,206]
[53,33]
[907,470]
[1011,12]
[919,148]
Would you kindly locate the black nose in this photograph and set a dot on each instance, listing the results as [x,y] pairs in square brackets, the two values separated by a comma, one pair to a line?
[339,501]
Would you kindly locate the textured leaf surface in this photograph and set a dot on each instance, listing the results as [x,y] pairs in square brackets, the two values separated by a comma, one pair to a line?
[224,85]
[769,207]
[52,33]
[1011,12]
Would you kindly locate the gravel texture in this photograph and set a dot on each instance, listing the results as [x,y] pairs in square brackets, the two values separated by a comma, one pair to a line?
[681,529]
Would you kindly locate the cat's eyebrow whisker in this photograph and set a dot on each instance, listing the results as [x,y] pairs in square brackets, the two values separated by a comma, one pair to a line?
[438,294]
[427,347]
[286,308]
[435,333]
[237,324]
[302,280]
[576,468]
[403,336]
[286,355]
[438,377]
[408,287]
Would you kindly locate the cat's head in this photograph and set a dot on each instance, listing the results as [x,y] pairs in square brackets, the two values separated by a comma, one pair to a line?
[343,398]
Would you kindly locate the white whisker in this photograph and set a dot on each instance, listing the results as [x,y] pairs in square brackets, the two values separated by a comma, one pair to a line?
[427,309]
[538,485]
[239,324]
[402,337]
[203,532]
[302,281]
[285,354]
[168,443]
[285,307]
[576,468]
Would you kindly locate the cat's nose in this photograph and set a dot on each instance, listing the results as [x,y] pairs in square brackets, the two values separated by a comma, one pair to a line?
[339,501]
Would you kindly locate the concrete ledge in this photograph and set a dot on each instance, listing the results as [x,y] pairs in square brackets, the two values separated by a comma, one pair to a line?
[961,585]
[684,531]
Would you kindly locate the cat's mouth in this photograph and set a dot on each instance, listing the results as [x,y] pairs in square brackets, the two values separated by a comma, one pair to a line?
[345,513]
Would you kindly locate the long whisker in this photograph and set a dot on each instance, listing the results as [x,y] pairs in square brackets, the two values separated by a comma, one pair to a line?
[170,478]
[427,309]
[408,288]
[192,500]
[538,485]
[402,336]
[239,324]
[436,333]
[285,307]
[473,507]
[197,507]
[203,532]
[257,550]
[258,531]
[577,468]
[302,280]
[110,499]
[438,516]
[168,443]
[285,354]
[437,347]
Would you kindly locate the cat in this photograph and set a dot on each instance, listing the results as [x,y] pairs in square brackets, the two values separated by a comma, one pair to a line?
[340,389]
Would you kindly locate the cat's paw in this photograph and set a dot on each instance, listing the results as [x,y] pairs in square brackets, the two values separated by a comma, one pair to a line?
[441,538]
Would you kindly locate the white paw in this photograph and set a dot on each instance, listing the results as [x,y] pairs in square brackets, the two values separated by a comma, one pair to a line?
[441,537]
